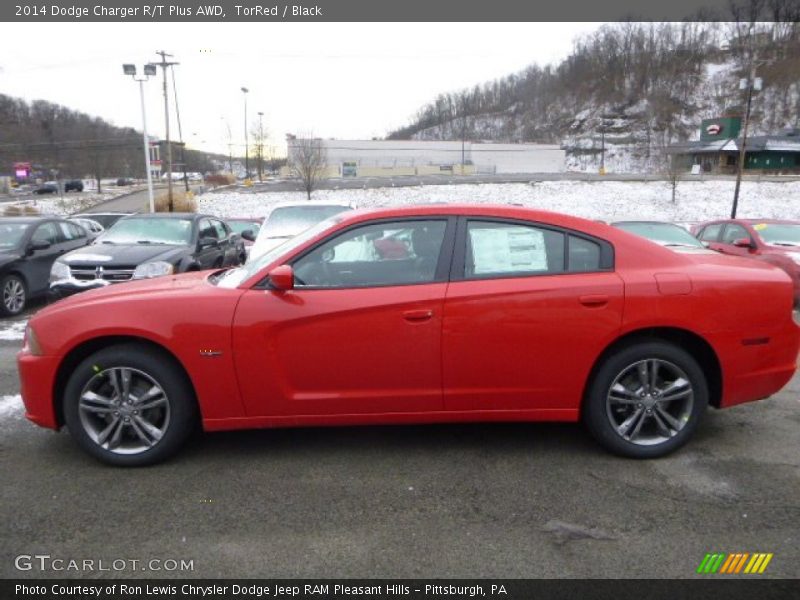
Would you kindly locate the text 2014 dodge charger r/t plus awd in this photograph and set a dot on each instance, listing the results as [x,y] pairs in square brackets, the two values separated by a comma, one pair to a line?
[478,314]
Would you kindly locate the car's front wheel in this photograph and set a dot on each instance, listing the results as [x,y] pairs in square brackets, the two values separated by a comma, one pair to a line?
[646,400]
[129,405]
[13,295]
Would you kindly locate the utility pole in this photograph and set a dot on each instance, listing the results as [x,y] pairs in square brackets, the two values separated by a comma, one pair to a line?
[164,64]
[260,146]
[752,84]
[180,131]
[246,158]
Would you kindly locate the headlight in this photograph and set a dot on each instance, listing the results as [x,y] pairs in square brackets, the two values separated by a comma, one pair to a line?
[153,269]
[59,271]
[795,257]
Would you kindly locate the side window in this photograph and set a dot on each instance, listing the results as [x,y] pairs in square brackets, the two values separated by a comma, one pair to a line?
[734,232]
[46,232]
[222,233]
[496,249]
[584,255]
[77,232]
[392,253]
[710,233]
[207,230]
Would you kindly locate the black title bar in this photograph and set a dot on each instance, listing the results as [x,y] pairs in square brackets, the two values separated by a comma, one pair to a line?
[373,10]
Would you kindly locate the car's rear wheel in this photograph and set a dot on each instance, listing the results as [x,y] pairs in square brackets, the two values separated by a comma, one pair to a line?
[646,400]
[129,405]
[13,295]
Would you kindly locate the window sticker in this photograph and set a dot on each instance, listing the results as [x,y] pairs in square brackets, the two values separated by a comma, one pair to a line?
[760,226]
[508,250]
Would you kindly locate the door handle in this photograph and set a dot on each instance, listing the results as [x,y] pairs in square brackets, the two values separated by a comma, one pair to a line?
[594,300]
[416,316]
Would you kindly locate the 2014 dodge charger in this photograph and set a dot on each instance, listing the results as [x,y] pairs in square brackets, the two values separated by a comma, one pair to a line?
[476,314]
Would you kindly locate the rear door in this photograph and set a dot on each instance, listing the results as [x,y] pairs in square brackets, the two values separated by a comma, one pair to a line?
[528,310]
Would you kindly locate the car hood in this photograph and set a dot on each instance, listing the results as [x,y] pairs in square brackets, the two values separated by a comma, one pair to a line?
[123,254]
[185,282]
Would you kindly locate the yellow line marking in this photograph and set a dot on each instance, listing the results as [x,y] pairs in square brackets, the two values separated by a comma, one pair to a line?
[765,563]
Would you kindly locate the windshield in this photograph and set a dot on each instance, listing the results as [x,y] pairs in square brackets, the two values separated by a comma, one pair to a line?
[779,234]
[141,230]
[288,221]
[11,234]
[665,234]
[234,277]
[240,226]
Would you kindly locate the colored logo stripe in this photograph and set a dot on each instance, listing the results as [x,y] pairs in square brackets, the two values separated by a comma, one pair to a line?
[734,563]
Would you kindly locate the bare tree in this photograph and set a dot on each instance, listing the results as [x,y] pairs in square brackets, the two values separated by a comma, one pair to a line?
[307,161]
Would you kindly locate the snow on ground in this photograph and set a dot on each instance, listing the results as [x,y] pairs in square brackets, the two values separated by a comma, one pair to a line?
[12,330]
[11,407]
[606,200]
[71,203]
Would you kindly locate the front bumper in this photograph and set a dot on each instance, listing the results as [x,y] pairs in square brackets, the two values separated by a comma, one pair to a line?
[67,287]
[37,378]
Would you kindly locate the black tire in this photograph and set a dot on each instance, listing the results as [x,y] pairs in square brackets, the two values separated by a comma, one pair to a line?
[601,414]
[11,304]
[180,405]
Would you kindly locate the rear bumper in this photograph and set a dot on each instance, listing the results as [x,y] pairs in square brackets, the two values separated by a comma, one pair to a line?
[755,368]
[37,377]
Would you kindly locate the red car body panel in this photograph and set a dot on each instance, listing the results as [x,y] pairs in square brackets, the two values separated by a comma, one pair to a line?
[501,349]
[774,255]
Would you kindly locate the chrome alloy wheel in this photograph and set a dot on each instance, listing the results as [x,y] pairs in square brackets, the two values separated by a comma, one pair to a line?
[124,410]
[13,295]
[649,402]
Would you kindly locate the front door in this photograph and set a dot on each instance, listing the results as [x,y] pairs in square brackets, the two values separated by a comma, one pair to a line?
[361,331]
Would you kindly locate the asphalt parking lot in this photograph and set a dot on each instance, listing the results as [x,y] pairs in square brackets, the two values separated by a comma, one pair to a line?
[503,501]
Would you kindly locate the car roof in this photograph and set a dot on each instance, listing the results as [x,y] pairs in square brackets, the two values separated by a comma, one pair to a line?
[497,211]
[645,222]
[775,221]
[88,215]
[169,215]
[29,219]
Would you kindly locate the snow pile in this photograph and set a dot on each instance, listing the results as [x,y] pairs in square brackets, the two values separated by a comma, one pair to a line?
[13,330]
[70,203]
[606,200]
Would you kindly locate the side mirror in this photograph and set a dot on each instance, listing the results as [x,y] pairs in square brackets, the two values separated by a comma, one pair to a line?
[206,242]
[743,243]
[38,245]
[248,235]
[282,278]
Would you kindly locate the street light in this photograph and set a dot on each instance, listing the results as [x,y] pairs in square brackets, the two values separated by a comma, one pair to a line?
[149,71]
[246,159]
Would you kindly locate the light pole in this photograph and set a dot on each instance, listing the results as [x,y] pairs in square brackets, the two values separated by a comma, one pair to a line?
[149,71]
[246,158]
[260,145]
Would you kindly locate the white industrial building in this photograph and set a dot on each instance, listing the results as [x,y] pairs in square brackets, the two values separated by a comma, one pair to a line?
[375,158]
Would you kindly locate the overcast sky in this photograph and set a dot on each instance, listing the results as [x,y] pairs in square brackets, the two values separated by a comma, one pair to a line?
[348,81]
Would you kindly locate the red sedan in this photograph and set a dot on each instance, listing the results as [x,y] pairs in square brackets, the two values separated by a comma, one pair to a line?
[492,314]
[774,241]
